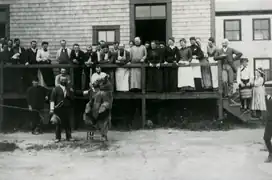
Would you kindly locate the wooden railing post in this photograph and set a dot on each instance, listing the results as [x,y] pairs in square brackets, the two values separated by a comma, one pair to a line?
[220,91]
[1,93]
[72,119]
[143,79]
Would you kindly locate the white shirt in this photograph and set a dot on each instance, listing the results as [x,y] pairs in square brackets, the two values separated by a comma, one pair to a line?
[97,76]
[98,56]
[42,55]
[243,73]
[225,49]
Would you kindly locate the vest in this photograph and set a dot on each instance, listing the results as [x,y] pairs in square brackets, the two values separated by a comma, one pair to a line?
[64,58]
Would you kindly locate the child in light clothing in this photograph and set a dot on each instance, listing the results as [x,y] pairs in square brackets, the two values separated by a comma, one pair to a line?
[258,96]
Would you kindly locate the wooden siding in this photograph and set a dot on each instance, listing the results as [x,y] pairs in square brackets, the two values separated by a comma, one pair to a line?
[192,18]
[72,20]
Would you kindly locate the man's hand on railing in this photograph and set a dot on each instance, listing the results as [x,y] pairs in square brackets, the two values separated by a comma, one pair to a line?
[142,60]
[129,63]
[151,65]
[88,64]
[75,61]
[158,65]
[165,62]
[194,57]
[26,63]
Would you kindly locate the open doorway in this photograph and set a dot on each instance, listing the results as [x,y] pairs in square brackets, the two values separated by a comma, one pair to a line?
[149,30]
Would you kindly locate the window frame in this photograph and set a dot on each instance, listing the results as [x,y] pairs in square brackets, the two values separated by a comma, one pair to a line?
[270,65]
[7,22]
[115,28]
[240,28]
[253,29]
[150,6]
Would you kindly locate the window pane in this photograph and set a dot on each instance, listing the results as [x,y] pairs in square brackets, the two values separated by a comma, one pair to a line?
[232,25]
[142,11]
[264,24]
[233,35]
[110,36]
[261,35]
[257,24]
[158,11]
[2,30]
[102,36]
[3,16]
[264,63]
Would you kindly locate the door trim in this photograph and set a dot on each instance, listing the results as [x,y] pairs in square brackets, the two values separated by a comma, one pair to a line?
[168,4]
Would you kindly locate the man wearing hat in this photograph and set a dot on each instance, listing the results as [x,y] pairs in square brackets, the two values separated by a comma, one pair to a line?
[244,78]
[60,106]
[226,55]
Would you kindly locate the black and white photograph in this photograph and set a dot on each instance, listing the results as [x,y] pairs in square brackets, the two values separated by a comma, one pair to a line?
[135,89]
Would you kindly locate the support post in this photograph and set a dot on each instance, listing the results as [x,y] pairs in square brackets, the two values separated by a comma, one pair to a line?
[143,95]
[1,93]
[220,91]
[72,118]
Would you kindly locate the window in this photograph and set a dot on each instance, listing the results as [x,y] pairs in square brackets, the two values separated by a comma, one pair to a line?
[4,21]
[232,29]
[109,34]
[150,12]
[261,29]
[264,63]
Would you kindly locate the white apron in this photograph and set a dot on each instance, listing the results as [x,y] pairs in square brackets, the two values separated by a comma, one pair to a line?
[122,79]
[185,77]
[196,69]
[214,70]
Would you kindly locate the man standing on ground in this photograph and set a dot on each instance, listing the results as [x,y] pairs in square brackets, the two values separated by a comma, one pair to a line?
[36,97]
[60,106]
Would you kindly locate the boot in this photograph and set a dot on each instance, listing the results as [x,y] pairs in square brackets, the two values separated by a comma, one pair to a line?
[269,158]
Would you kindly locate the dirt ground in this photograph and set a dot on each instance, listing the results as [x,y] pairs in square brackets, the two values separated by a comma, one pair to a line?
[147,155]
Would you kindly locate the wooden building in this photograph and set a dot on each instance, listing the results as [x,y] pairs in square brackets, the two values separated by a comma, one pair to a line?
[247,24]
[87,21]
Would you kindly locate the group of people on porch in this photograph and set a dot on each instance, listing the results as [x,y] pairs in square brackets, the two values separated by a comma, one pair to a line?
[158,78]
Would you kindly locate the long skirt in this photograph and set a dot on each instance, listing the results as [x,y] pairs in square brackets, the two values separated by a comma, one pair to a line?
[154,80]
[122,79]
[185,77]
[206,75]
[170,79]
[214,72]
[135,78]
[258,99]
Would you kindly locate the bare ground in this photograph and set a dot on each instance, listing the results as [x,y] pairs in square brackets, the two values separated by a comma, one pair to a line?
[146,155]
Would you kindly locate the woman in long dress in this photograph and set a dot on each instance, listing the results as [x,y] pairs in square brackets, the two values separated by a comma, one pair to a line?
[258,95]
[185,74]
[171,73]
[211,49]
[122,74]
[154,72]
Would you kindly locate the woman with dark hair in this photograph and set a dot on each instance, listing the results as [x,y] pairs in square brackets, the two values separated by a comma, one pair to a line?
[154,73]
[171,73]
[45,75]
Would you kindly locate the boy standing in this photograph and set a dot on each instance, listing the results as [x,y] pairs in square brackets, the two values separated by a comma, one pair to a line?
[36,96]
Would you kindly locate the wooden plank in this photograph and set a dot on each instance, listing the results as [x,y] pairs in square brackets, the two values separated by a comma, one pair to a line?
[102,65]
[180,95]
[220,91]
[1,93]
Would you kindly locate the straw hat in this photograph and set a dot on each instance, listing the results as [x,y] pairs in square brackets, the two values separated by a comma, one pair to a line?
[261,71]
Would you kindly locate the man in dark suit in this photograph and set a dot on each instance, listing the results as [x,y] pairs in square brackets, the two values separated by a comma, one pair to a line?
[90,62]
[60,105]
[31,55]
[226,55]
[77,57]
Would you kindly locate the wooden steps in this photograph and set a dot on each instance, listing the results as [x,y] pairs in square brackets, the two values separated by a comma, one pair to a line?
[236,111]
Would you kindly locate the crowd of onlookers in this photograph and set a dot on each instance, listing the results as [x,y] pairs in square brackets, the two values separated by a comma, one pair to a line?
[154,53]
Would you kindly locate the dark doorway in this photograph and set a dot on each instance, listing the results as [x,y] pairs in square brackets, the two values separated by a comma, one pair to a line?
[3,31]
[149,30]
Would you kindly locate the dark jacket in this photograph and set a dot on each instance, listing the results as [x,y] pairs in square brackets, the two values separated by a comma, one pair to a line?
[154,56]
[171,55]
[80,58]
[103,60]
[196,51]
[36,97]
[57,96]
[92,55]
[31,56]
[23,55]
